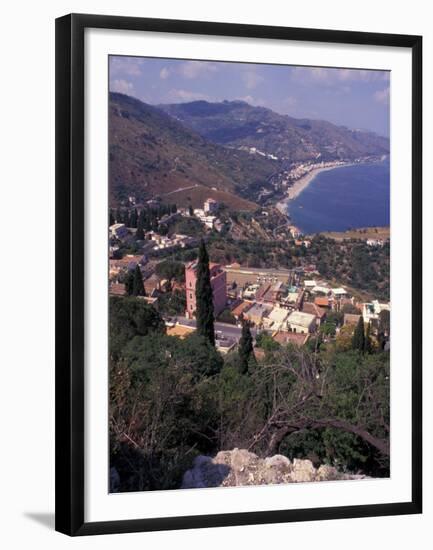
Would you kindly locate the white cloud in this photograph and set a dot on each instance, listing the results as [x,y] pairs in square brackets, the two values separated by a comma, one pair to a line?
[130,66]
[164,73]
[256,101]
[122,86]
[251,79]
[382,96]
[194,69]
[185,95]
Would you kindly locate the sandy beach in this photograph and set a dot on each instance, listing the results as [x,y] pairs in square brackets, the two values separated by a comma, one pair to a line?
[303,183]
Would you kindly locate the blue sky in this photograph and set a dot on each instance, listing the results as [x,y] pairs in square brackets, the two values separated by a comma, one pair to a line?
[349,97]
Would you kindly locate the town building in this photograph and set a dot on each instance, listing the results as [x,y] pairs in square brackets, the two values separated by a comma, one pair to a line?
[375,242]
[372,310]
[151,284]
[241,309]
[117,289]
[310,284]
[284,337]
[322,301]
[118,230]
[256,314]
[276,319]
[339,292]
[127,263]
[299,321]
[210,206]
[218,281]
[317,311]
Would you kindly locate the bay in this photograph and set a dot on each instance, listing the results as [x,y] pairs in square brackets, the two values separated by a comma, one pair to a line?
[344,198]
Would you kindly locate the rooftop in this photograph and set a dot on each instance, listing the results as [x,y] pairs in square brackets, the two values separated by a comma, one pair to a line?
[258,310]
[241,308]
[278,314]
[313,309]
[321,301]
[284,337]
[300,318]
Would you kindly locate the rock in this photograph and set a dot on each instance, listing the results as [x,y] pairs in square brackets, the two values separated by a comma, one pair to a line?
[327,473]
[303,470]
[240,467]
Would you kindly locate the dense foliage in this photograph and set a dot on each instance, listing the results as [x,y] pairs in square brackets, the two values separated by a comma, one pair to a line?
[172,399]
[351,262]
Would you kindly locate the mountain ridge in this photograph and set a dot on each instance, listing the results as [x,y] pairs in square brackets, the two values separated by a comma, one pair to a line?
[239,124]
[152,154]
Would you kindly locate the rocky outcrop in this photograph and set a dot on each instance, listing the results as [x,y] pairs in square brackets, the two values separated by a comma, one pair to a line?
[240,467]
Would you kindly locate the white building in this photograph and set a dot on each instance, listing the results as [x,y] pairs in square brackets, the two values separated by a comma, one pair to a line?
[374,242]
[250,291]
[319,289]
[299,321]
[339,292]
[276,319]
[118,230]
[372,310]
[210,206]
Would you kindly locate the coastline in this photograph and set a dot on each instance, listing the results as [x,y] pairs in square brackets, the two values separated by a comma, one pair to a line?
[302,183]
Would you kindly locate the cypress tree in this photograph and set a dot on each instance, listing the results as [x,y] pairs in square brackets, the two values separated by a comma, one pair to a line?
[245,350]
[358,340]
[139,235]
[126,219]
[129,283]
[133,220]
[137,285]
[203,292]
[112,220]
[190,210]
[368,348]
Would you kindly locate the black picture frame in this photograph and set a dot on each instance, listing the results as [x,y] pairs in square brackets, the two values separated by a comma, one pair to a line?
[70,284]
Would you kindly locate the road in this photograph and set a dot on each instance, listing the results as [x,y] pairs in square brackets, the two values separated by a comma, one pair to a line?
[180,189]
[230,331]
[279,227]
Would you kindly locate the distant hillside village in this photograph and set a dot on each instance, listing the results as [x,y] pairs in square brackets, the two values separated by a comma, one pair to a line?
[297,305]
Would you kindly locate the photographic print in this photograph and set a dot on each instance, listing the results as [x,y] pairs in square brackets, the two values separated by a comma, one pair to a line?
[249,274]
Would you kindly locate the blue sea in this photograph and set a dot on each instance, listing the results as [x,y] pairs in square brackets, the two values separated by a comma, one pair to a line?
[343,198]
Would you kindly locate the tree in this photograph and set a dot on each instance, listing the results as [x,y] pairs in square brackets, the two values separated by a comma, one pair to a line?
[204,297]
[126,219]
[163,229]
[368,347]
[190,210]
[384,328]
[266,342]
[137,285]
[169,269]
[358,340]
[129,283]
[139,235]
[245,347]
[130,317]
[111,217]
[134,218]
